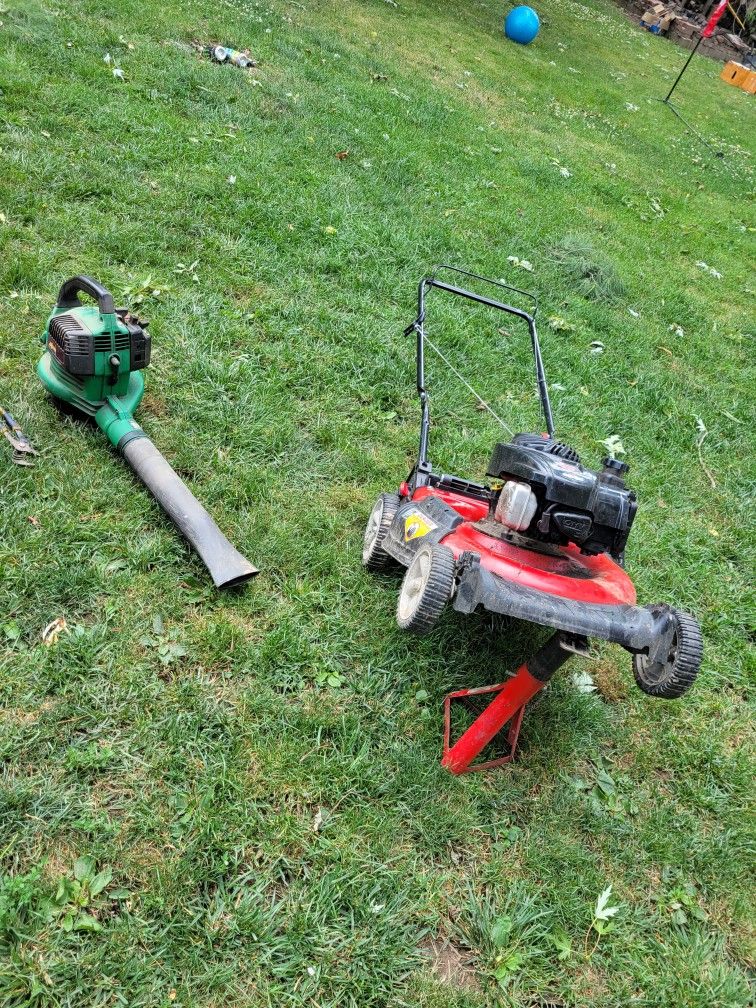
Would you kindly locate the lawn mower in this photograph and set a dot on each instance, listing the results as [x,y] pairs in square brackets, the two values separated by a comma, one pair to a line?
[93,359]
[543,541]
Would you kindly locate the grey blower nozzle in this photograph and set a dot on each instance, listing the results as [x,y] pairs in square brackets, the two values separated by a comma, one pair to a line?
[226,565]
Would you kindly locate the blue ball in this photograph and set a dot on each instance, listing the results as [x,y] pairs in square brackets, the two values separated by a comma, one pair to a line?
[521,25]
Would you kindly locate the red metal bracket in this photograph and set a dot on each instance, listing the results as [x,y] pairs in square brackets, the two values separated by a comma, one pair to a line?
[512,734]
[507,708]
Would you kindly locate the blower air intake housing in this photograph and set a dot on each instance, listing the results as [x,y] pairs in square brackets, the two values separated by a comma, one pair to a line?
[569,503]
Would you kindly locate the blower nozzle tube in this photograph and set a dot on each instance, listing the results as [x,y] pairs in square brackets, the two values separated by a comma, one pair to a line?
[226,565]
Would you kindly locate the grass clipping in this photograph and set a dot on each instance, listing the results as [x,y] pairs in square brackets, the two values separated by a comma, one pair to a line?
[589,271]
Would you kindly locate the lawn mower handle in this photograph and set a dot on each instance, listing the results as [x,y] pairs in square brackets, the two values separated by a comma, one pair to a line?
[418,327]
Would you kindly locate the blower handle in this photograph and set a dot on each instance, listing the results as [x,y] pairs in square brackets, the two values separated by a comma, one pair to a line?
[67,296]
[226,565]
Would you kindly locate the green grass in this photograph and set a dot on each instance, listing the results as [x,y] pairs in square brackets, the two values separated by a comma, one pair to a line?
[191,743]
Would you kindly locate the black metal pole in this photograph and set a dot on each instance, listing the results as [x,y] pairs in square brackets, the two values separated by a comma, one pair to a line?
[687,62]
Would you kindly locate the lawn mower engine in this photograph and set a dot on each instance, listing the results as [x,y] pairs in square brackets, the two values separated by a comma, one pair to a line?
[548,496]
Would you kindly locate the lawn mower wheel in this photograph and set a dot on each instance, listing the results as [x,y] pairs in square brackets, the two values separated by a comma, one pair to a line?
[672,678]
[427,587]
[381,517]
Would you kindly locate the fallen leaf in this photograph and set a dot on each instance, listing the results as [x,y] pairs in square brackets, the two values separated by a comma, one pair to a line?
[33,520]
[320,817]
[558,324]
[521,263]
[53,630]
[342,154]
[709,269]
[602,911]
[583,682]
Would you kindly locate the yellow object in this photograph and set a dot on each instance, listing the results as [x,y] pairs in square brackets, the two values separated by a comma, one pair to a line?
[749,84]
[732,11]
[417,525]
[734,73]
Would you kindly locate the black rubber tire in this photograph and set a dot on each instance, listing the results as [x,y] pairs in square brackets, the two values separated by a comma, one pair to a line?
[374,557]
[671,679]
[426,589]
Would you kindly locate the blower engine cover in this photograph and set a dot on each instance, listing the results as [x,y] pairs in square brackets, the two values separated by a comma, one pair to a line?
[92,355]
[82,345]
[594,510]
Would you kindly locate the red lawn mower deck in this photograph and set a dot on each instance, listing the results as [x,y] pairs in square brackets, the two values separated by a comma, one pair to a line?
[543,542]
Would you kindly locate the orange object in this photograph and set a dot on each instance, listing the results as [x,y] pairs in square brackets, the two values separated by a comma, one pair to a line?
[734,73]
[749,83]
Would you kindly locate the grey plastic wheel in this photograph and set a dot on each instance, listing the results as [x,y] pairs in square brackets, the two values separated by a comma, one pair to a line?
[427,587]
[374,558]
[670,678]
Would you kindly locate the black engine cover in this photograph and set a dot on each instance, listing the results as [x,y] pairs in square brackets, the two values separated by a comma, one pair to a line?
[594,510]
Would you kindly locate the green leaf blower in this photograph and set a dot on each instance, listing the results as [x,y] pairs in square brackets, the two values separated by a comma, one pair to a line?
[92,361]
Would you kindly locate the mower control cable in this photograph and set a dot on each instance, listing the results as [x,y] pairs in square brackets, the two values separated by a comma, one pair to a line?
[418,326]
[467,384]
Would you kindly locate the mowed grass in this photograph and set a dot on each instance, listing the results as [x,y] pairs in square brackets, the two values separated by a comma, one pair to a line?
[236,800]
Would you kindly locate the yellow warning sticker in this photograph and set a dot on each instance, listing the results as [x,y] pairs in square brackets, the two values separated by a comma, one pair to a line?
[417,525]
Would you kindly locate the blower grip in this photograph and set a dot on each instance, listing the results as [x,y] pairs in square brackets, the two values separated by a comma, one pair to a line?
[67,296]
[226,565]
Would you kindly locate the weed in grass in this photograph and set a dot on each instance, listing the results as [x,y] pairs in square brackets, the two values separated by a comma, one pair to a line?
[590,271]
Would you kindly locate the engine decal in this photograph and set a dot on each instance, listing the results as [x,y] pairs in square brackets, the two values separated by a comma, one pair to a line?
[417,525]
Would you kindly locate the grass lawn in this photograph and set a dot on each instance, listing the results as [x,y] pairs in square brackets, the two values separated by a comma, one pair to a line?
[235,800]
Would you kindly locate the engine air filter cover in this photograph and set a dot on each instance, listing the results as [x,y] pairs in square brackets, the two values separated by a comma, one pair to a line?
[544,443]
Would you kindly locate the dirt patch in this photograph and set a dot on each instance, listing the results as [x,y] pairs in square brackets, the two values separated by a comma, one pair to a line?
[154,404]
[450,963]
[17,716]
[612,684]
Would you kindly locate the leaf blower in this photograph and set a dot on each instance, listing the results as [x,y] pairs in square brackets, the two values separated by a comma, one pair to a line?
[93,360]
